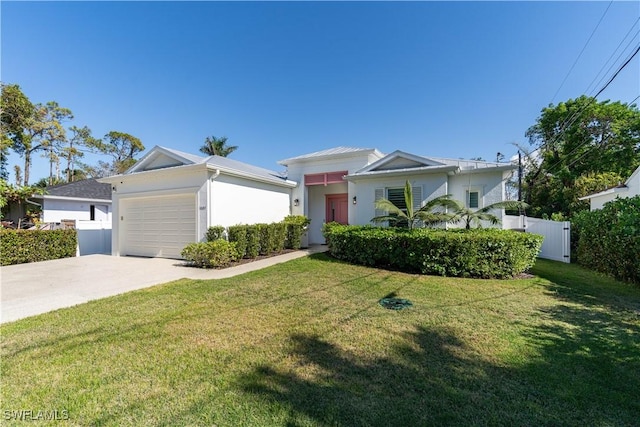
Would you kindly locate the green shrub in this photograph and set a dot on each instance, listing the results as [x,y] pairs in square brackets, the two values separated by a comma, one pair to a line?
[216,254]
[296,227]
[253,241]
[272,237]
[238,235]
[23,246]
[478,253]
[215,232]
[609,239]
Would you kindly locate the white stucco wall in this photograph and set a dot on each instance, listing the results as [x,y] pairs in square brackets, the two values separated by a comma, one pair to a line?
[57,210]
[235,200]
[491,186]
[632,189]
[433,185]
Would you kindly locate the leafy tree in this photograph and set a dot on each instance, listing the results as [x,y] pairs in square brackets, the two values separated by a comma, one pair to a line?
[217,147]
[81,137]
[15,112]
[577,138]
[40,132]
[121,146]
[475,216]
[432,213]
[15,194]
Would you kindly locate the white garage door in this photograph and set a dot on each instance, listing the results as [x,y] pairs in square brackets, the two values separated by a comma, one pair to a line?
[158,226]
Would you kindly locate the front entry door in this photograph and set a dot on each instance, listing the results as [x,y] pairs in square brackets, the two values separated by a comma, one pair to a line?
[337,208]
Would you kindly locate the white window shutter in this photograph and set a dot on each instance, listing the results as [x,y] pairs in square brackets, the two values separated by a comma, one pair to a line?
[417,202]
[379,194]
[417,198]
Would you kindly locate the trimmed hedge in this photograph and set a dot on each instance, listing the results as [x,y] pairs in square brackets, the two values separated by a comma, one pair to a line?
[216,254]
[477,253]
[296,227]
[23,246]
[263,239]
[609,239]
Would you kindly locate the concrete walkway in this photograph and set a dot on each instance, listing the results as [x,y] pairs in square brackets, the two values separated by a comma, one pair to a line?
[31,289]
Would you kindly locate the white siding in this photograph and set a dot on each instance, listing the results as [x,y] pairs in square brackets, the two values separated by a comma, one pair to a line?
[57,210]
[431,185]
[490,185]
[236,200]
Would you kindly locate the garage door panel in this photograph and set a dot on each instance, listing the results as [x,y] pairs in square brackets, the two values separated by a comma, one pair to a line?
[158,226]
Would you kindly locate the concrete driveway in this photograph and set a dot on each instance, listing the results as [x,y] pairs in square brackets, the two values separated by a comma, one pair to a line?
[30,289]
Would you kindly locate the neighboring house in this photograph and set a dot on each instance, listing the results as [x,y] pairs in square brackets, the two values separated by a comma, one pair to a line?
[170,198]
[85,200]
[342,184]
[630,188]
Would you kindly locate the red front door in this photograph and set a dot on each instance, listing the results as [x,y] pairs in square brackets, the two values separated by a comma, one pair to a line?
[337,208]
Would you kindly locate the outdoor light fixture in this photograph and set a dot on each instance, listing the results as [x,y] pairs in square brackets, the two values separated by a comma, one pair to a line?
[355,200]
[296,202]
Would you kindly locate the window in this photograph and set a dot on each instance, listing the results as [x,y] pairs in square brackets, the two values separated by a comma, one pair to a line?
[396,196]
[92,212]
[473,199]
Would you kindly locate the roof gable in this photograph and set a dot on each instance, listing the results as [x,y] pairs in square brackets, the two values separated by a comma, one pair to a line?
[399,160]
[162,157]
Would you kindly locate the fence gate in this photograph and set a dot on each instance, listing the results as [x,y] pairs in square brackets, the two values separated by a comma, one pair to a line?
[557,235]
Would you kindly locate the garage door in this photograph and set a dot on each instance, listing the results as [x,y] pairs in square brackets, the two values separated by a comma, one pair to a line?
[158,226]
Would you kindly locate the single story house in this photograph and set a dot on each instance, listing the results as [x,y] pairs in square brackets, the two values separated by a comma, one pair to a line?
[630,188]
[85,200]
[170,198]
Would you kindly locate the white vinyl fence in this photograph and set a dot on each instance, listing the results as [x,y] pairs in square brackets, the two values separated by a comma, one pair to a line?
[557,235]
[94,237]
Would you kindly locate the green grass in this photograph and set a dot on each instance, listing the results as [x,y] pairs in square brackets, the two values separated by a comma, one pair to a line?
[305,343]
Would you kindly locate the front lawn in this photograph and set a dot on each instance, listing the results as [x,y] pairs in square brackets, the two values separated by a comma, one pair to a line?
[306,343]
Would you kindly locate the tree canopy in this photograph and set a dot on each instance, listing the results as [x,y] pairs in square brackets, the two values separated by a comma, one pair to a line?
[29,128]
[217,146]
[579,147]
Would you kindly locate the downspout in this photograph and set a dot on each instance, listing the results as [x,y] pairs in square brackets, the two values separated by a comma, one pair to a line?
[209,197]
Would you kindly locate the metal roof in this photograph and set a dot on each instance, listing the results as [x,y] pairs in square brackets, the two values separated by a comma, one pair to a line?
[326,153]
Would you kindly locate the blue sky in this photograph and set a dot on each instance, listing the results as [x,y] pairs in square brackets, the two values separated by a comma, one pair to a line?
[280,79]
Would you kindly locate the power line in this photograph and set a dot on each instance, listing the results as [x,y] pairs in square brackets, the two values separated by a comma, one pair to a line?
[581,52]
[613,54]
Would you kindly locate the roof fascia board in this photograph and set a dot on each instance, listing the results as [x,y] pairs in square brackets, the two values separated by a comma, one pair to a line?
[251,176]
[157,150]
[396,172]
[154,172]
[291,161]
[68,198]
[399,154]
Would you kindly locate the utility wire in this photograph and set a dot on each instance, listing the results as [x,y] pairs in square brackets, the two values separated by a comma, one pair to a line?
[581,52]
[613,54]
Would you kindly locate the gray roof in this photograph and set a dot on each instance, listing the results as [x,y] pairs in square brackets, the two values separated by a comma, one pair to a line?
[230,165]
[326,153]
[85,189]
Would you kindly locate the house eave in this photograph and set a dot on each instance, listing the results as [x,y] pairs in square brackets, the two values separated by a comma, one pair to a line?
[605,193]
[400,172]
[253,177]
[360,153]
[68,198]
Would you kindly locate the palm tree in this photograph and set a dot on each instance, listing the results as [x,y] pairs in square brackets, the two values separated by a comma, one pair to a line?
[217,146]
[470,216]
[427,214]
